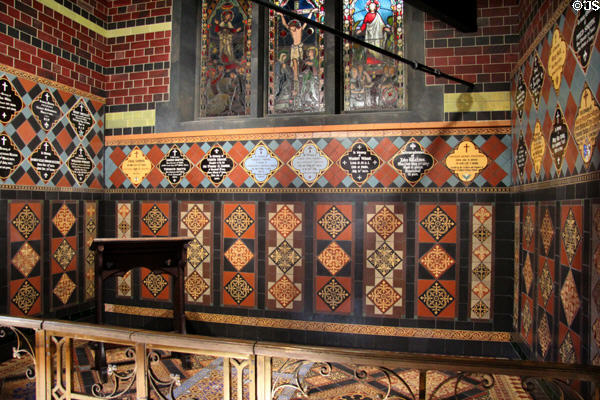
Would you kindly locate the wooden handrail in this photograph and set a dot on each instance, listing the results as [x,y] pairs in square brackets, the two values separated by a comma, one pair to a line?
[390,359]
[260,353]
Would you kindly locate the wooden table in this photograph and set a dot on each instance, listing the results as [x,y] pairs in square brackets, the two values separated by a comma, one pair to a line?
[160,255]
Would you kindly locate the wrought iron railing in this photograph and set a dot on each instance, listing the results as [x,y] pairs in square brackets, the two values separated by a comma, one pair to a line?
[259,370]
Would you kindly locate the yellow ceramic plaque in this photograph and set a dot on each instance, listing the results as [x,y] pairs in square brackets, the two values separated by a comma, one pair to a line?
[587,125]
[466,161]
[136,166]
[538,147]
[556,62]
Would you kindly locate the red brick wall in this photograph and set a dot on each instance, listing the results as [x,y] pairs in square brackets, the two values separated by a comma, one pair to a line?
[534,15]
[138,65]
[483,57]
[36,39]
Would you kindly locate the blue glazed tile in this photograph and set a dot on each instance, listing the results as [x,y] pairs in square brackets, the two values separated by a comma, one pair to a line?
[479,141]
[451,140]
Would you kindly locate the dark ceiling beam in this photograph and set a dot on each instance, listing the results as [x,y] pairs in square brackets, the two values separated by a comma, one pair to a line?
[461,14]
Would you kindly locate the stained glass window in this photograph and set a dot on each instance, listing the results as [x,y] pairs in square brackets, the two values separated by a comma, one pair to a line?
[371,80]
[296,59]
[225,58]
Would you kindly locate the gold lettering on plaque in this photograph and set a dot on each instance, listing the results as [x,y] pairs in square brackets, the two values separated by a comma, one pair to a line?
[538,147]
[556,62]
[466,161]
[587,125]
[136,166]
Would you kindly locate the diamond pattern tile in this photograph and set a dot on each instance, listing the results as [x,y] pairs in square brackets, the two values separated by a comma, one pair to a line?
[155,283]
[384,259]
[63,220]
[238,288]
[155,219]
[547,231]
[333,294]
[239,221]
[284,256]
[334,222]
[437,261]
[285,221]
[383,296]
[284,291]
[25,259]
[239,255]
[333,258]
[570,298]
[436,298]
[437,223]
[26,221]
[384,222]
[64,288]
[25,297]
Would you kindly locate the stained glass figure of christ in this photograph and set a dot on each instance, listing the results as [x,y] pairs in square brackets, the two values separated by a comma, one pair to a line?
[371,80]
[296,59]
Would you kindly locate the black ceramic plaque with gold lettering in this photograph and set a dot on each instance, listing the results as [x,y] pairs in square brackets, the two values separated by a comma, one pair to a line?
[559,138]
[216,164]
[10,157]
[584,35]
[10,102]
[413,161]
[46,110]
[521,158]
[360,162]
[537,79]
[45,160]
[80,164]
[520,96]
[174,165]
[81,118]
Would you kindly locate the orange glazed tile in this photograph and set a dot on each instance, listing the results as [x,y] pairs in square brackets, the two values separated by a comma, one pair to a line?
[238,152]
[26,132]
[238,176]
[155,155]
[385,149]
[285,176]
[386,175]
[195,153]
[285,151]
[64,182]
[493,147]
[117,156]
[334,150]
[493,174]
[195,176]
[439,148]
[334,175]
[439,174]
[155,177]
[96,144]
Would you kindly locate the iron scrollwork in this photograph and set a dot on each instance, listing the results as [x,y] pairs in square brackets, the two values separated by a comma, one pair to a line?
[125,380]
[297,385]
[23,348]
[486,381]
[561,386]
[156,384]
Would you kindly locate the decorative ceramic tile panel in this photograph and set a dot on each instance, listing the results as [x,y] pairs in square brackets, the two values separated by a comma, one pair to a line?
[64,251]
[528,274]
[595,286]
[239,254]
[196,220]
[319,163]
[90,233]
[334,251]
[562,100]
[25,257]
[482,261]
[285,256]
[570,294]
[45,149]
[517,269]
[437,256]
[124,214]
[546,276]
[155,220]
[383,264]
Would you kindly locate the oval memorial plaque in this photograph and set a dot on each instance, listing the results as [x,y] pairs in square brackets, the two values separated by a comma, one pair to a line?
[413,161]
[175,165]
[10,102]
[46,110]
